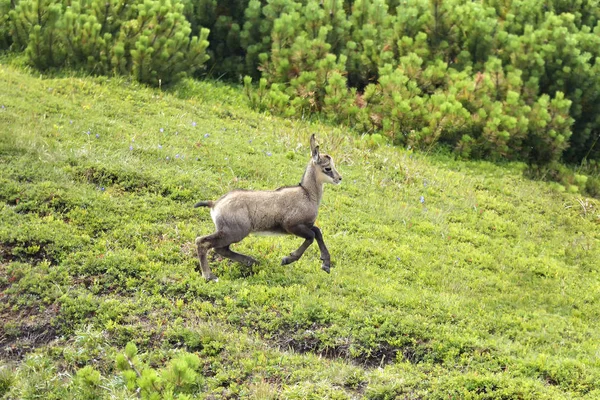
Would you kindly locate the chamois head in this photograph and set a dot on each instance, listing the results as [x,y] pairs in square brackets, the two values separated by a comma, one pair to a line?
[324,166]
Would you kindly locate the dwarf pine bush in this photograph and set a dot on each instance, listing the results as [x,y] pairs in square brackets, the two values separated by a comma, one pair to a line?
[179,378]
[521,73]
[149,40]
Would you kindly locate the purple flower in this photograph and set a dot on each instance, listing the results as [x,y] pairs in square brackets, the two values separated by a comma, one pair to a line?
[97,136]
[269,154]
[130,147]
[161,130]
[88,133]
[206,135]
[102,189]
[159,146]
[422,200]
[3,106]
[70,122]
[194,124]
[176,155]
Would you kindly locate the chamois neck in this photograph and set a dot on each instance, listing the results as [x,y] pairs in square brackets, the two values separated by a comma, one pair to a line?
[309,182]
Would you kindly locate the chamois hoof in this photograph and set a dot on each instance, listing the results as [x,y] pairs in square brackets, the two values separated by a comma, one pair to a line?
[326,268]
[288,260]
[211,278]
[251,262]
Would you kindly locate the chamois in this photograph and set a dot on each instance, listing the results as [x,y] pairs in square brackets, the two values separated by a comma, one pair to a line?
[287,210]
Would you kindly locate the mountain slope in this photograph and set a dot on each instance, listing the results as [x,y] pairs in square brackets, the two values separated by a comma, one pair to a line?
[451,279]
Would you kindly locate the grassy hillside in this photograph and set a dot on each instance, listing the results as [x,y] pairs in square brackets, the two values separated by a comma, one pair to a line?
[451,280]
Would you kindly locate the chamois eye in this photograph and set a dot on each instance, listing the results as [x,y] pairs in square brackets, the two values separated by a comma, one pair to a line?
[327,169]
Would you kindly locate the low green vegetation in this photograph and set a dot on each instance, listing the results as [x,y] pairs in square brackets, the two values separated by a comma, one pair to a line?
[460,280]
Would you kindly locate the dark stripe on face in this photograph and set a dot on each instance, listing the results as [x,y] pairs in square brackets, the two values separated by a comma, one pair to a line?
[326,168]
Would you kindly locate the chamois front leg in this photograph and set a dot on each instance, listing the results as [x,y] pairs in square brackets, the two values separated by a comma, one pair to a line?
[325,257]
[302,231]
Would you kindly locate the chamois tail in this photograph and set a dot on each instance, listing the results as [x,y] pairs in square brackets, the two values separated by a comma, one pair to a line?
[203,203]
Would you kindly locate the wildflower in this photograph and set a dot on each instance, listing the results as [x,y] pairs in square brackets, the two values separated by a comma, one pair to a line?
[3,106]
[161,130]
[159,146]
[422,200]
[70,122]
[176,155]
[130,147]
[194,124]
[206,135]
[102,189]
[97,136]
[177,133]
[168,158]
[269,154]
[88,133]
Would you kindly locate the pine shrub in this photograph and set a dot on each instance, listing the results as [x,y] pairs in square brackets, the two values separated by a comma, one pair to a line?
[5,37]
[148,40]
[178,379]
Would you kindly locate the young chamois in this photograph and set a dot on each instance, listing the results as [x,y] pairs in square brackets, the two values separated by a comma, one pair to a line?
[287,210]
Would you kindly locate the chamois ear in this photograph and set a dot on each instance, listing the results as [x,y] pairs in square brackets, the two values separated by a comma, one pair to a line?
[314,149]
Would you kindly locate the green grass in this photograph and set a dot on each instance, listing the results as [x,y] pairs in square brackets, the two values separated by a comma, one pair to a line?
[490,289]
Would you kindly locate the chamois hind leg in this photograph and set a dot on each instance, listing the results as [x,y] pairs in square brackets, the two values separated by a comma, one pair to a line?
[203,244]
[302,231]
[232,255]
[325,257]
[218,239]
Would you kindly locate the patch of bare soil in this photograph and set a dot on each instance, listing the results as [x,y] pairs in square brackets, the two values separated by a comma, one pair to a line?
[36,256]
[309,342]
[25,330]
